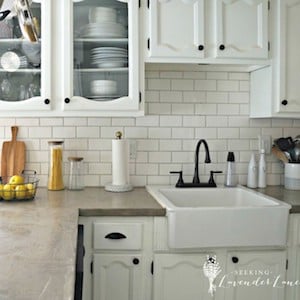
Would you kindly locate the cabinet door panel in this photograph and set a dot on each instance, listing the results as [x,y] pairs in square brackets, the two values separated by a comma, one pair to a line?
[117,277]
[289,45]
[101,56]
[181,276]
[251,272]
[241,28]
[176,28]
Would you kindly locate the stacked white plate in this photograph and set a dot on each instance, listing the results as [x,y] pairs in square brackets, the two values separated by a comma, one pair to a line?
[103,89]
[103,30]
[109,57]
[102,14]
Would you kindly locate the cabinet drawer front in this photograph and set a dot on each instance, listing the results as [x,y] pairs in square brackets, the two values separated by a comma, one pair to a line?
[118,236]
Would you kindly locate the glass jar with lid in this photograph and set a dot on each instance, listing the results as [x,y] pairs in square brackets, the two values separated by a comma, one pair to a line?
[55,179]
[76,180]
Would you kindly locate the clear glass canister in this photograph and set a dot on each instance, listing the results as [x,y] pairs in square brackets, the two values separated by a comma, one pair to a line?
[76,180]
[55,179]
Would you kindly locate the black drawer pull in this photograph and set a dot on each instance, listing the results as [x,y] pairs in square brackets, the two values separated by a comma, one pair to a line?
[115,236]
[235,259]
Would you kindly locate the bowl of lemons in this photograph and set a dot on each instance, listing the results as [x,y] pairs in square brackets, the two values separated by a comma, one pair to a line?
[19,187]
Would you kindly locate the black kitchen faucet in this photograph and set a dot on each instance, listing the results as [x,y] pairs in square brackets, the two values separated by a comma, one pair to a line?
[196,182]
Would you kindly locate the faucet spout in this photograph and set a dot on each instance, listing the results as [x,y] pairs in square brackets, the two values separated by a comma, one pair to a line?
[207,159]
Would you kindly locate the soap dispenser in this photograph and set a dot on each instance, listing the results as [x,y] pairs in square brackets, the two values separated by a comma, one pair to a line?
[262,170]
[252,173]
[231,176]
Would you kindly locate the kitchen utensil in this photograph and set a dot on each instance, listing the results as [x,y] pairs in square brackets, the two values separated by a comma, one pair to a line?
[286,144]
[279,154]
[13,155]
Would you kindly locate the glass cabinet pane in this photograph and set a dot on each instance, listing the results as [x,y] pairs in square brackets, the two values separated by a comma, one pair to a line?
[100,49]
[20,59]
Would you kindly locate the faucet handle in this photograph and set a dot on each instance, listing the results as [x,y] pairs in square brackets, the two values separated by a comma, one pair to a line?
[211,178]
[180,179]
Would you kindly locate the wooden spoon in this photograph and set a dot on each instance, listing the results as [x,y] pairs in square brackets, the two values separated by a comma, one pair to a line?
[279,154]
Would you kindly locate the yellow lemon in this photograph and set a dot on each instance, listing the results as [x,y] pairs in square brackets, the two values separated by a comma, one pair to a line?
[30,190]
[16,180]
[8,192]
[21,191]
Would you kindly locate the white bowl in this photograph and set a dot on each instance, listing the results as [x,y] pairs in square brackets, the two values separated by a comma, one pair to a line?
[104,83]
[103,87]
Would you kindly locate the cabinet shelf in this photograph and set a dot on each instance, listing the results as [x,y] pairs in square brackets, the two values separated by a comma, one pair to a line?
[92,70]
[109,41]
[21,71]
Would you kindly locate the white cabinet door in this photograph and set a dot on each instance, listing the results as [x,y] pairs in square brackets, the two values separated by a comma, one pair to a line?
[101,56]
[117,277]
[180,276]
[176,29]
[288,67]
[25,73]
[241,28]
[257,274]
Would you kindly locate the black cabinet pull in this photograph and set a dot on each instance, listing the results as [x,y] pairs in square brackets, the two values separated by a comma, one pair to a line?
[67,100]
[235,259]
[200,47]
[115,236]
[222,47]
[284,102]
[47,101]
[135,261]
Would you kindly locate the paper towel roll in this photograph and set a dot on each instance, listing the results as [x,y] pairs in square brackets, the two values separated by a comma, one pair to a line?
[120,159]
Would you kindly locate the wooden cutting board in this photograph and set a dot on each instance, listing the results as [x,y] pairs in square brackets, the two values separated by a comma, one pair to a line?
[13,155]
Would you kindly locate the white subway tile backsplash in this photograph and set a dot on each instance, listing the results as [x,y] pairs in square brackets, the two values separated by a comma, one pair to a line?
[182,106]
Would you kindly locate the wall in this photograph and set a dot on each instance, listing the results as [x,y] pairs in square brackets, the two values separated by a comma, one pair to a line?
[183,105]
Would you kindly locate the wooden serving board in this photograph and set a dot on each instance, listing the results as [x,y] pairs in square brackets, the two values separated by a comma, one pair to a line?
[13,155]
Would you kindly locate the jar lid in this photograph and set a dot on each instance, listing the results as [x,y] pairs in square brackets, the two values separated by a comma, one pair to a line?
[55,142]
[74,158]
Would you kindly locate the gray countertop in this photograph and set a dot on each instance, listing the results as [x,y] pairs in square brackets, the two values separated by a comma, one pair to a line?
[288,196]
[38,238]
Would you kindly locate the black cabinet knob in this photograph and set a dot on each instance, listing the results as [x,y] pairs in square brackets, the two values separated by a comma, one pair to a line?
[222,47]
[67,100]
[135,261]
[47,101]
[235,259]
[284,102]
[200,47]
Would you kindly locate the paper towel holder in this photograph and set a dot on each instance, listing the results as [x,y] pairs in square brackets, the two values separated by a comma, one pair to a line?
[114,186]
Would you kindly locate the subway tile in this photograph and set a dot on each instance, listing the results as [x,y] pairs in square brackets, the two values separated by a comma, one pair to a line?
[206,85]
[147,121]
[87,132]
[170,145]
[193,121]
[237,121]
[147,145]
[205,109]
[239,97]
[249,133]
[194,97]
[228,109]
[239,76]
[183,109]
[159,157]
[170,121]
[182,85]
[170,74]
[183,133]
[159,84]
[159,133]
[206,133]
[74,121]
[135,132]
[170,96]
[194,75]
[217,97]
[123,122]
[147,169]
[228,133]
[42,132]
[228,85]
[217,75]
[159,108]
[214,121]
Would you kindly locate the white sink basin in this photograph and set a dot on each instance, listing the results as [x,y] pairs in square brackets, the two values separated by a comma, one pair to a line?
[222,217]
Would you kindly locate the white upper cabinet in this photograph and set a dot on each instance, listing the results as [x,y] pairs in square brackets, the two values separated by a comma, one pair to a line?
[288,58]
[275,91]
[101,50]
[177,28]
[25,67]
[199,31]
[241,28]
[86,61]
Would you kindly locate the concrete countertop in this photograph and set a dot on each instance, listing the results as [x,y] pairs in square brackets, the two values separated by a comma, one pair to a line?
[38,238]
[289,196]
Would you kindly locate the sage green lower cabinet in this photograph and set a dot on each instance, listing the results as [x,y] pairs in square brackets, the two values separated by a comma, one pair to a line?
[117,276]
[257,274]
[128,258]
[180,276]
[293,272]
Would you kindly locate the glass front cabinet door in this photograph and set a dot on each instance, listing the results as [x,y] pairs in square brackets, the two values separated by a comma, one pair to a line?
[25,67]
[101,51]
